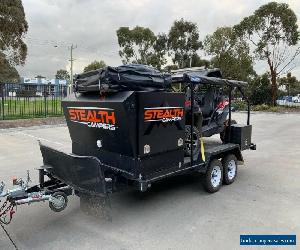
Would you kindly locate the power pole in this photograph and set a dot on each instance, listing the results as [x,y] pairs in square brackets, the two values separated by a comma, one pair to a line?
[72,60]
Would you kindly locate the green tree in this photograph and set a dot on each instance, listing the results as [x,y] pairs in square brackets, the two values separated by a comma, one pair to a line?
[230,53]
[7,72]
[169,68]
[196,61]
[183,42]
[259,90]
[291,84]
[141,45]
[135,44]
[157,57]
[272,30]
[13,27]
[62,74]
[94,65]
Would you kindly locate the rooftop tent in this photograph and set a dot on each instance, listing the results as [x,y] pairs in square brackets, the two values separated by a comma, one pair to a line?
[125,77]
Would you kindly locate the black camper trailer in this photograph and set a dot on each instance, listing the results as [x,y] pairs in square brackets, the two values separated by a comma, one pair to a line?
[128,128]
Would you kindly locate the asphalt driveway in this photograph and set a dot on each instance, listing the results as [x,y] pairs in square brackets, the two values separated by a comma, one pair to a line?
[174,214]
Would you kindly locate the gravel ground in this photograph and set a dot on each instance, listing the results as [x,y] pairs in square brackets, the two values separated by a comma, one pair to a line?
[176,213]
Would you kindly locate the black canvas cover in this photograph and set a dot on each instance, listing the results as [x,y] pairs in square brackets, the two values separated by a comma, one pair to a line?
[125,77]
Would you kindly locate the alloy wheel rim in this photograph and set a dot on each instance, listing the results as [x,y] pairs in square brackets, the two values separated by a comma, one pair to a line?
[231,169]
[216,175]
[61,203]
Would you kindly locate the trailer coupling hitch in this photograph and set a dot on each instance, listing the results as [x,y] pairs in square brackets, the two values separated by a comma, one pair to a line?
[22,193]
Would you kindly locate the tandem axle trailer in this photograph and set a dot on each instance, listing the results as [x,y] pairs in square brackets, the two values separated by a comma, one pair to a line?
[57,182]
[117,142]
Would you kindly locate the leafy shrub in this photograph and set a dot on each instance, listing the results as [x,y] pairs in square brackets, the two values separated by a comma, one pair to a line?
[274,109]
[261,107]
[239,105]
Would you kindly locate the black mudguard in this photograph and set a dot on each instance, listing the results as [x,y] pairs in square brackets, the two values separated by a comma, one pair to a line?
[84,173]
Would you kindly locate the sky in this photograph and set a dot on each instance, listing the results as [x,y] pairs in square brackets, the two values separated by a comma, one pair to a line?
[54,25]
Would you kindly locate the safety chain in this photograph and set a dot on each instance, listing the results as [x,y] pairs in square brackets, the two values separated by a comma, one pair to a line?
[5,211]
[4,204]
[3,214]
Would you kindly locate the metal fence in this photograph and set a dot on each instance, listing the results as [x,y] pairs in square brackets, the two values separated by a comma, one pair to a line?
[20,101]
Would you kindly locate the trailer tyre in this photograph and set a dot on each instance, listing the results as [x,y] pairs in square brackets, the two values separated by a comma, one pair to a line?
[213,176]
[230,168]
[63,202]
[195,141]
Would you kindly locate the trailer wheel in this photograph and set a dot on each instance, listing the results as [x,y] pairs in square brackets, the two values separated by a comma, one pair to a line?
[230,169]
[61,205]
[213,176]
[192,141]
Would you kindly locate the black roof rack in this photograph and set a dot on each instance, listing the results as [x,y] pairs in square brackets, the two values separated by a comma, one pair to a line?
[177,75]
[201,75]
[198,79]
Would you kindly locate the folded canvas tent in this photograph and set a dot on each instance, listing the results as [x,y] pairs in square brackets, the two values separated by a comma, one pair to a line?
[125,77]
